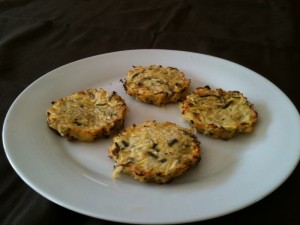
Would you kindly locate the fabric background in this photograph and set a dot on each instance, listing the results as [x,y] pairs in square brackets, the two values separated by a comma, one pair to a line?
[37,36]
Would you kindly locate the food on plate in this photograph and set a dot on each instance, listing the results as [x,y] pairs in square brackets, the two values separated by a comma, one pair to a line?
[218,113]
[156,85]
[87,115]
[154,152]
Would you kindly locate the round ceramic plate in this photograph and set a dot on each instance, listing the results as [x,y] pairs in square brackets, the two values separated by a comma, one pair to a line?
[231,175]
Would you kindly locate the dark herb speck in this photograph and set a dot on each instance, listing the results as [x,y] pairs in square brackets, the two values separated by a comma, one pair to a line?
[125,144]
[152,154]
[172,142]
[227,104]
[163,160]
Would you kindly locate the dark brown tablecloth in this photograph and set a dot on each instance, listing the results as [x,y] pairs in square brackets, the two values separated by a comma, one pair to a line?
[37,36]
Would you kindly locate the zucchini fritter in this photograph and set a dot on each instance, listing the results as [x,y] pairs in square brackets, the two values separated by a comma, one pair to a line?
[156,85]
[154,152]
[87,115]
[218,113]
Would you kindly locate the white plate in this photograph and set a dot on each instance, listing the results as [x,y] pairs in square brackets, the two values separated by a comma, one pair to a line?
[231,175]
